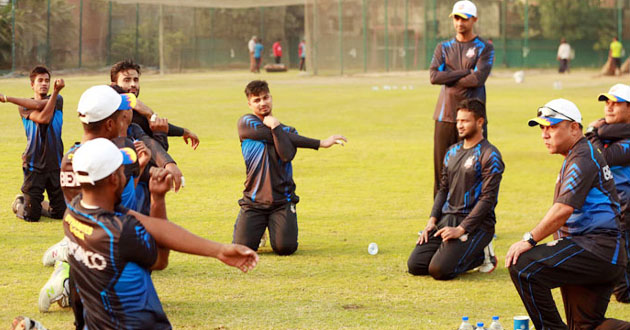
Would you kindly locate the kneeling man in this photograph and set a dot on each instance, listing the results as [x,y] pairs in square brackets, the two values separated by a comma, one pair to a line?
[461,227]
[588,256]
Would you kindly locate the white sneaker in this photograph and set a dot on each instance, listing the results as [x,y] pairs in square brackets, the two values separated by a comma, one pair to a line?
[57,252]
[19,200]
[25,323]
[263,240]
[55,289]
[489,260]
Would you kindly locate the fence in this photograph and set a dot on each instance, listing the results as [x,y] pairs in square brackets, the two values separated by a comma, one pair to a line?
[342,36]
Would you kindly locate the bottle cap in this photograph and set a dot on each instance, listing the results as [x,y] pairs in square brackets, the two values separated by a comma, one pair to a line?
[465,318]
[479,324]
[495,318]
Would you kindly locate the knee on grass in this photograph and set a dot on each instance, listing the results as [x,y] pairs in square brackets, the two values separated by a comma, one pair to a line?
[441,273]
[284,248]
[416,268]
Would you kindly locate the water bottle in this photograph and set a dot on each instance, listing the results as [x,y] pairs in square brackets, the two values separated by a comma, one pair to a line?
[495,325]
[480,326]
[465,325]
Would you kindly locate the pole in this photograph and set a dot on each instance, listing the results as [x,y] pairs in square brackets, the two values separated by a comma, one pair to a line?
[262,23]
[80,31]
[619,20]
[504,30]
[109,34]
[340,14]
[364,9]
[48,35]
[386,38]
[161,38]
[13,3]
[315,37]
[526,31]
[137,31]
[406,35]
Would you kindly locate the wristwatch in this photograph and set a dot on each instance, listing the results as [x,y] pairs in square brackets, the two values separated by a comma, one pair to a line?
[527,237]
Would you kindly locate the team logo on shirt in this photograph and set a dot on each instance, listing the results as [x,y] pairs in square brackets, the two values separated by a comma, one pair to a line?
[90,259]
[469,162]
[470,53]
[607,173]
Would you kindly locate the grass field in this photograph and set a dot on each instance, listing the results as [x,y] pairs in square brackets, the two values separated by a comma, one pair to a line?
[378,188]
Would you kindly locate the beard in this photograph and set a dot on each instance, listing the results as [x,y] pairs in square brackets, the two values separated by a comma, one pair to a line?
[468,134]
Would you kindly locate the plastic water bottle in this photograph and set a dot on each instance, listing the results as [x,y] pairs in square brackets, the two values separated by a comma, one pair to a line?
[465,325]
[480,326]
[495,325]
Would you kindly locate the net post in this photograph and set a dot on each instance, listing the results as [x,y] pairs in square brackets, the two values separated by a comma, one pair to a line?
[365,51]
[80,32]
[340,17]
[13,3]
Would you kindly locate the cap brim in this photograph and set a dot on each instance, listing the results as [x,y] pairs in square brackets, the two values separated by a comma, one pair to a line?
[129,156]
[128,101]
[608,96]
[544,121]
[462,15]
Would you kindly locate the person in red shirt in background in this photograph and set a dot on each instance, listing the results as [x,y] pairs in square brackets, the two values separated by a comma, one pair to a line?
[277,51]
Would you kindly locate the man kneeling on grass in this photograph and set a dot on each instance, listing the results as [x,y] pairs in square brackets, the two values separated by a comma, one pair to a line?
[113,250]
[461,227]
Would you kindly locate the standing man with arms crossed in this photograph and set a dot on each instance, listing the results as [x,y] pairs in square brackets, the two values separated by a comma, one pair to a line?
[588,256]
[461,227]
[113,250]
[614,142]
[269,197]
[461,65]
[42,117]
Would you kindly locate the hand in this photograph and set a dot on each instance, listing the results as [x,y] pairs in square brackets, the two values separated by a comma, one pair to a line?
[597,123]
[271,121]
[161,181]
[450,233]
[159,125]
[176,174]
[424,237]
[3,98]
[194,140]
[515,251]
[144,153]
[331,140]
[238,256]
[59,85]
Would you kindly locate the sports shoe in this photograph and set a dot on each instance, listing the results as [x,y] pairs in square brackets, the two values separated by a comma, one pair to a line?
[19,199]
[25,323]
[57,252]
[55,289]
[263,240]
[489,260]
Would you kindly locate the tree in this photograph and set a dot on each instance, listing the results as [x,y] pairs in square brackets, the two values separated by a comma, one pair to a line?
[576,20]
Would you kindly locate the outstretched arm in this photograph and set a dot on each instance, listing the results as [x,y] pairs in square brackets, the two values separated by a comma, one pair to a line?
[24,102]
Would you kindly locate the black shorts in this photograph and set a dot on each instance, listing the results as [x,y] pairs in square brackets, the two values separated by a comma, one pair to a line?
[282,222]
[35,183]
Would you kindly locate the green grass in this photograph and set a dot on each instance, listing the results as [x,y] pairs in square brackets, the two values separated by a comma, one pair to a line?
[378,188]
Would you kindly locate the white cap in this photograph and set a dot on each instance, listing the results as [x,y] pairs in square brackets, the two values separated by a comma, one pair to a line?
[556,111]
[98,158]
[617,93]
[464,9]
[100,102]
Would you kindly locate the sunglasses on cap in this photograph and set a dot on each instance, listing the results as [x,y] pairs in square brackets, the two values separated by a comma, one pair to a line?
[546,111]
